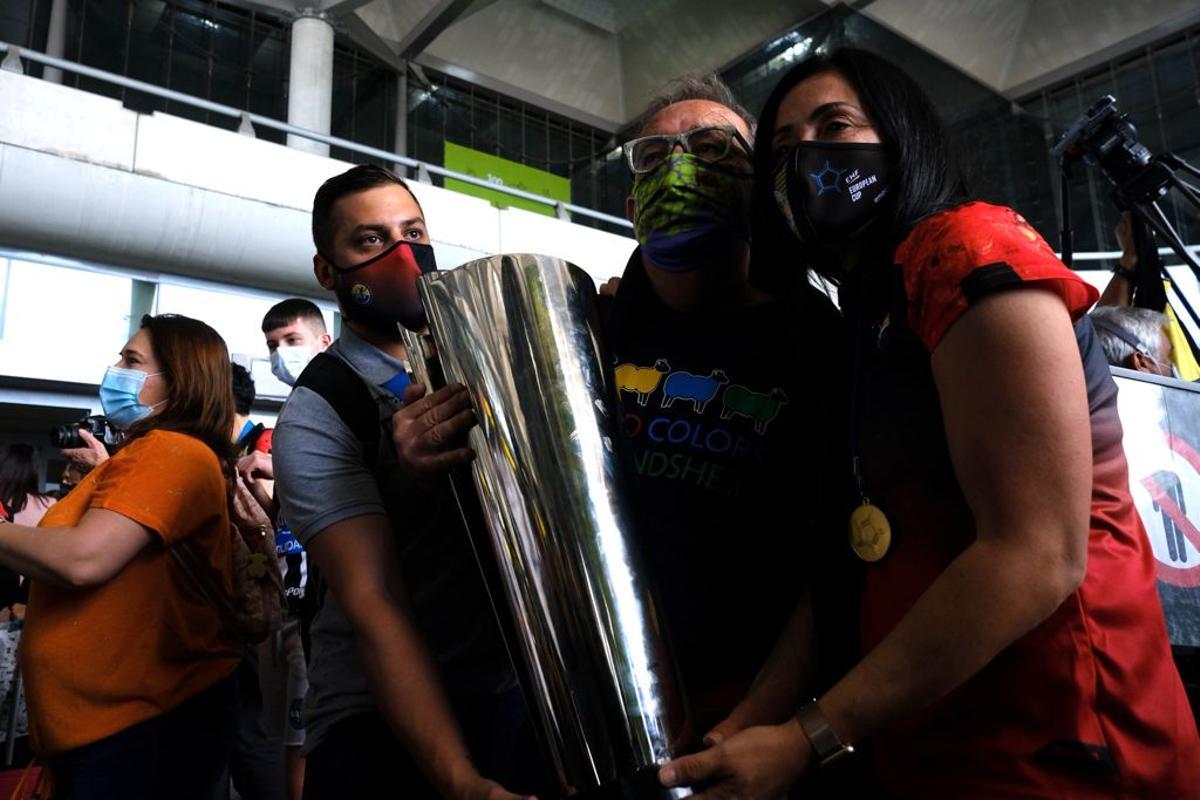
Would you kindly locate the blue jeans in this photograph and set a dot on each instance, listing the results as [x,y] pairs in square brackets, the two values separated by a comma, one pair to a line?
[180,754]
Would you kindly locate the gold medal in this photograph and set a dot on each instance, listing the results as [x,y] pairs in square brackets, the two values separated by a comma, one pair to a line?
[870,532]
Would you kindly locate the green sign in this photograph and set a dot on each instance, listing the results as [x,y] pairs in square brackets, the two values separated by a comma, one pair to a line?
[502,172]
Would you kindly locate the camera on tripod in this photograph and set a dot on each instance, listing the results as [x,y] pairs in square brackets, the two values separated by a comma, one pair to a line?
[1107,139]
[67,436]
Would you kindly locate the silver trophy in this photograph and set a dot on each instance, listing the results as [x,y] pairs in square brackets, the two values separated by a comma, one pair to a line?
[520,331]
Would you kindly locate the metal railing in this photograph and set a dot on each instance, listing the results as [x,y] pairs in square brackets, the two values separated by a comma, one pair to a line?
[247,121]
[1113,255]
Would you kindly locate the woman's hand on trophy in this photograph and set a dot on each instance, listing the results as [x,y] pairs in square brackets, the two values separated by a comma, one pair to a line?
[428,431]
[761,762]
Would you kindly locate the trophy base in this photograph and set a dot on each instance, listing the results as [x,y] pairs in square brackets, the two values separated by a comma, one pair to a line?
[641,785]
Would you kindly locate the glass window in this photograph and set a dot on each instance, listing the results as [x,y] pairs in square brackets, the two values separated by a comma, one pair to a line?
[231,42]
[374,107]
[483,123]
[191,55]
[536,139]
[342,116]
[510,142]
[448,110]
[102,42]
[25,23]
[61,324]
[268,74]
[149,50]
[560,148]
[237,317]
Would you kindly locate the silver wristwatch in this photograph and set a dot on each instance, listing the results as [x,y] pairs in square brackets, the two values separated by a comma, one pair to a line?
[825,743]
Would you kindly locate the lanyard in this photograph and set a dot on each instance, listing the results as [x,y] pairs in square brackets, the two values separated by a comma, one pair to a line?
[870,531]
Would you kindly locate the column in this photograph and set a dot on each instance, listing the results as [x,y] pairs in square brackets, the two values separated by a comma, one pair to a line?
[310,80]
[400,145]
[56,39]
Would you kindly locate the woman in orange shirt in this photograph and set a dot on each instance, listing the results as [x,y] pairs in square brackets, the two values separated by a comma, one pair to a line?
[128,673]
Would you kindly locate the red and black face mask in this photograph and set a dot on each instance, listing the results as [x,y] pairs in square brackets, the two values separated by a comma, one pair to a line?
[381,292]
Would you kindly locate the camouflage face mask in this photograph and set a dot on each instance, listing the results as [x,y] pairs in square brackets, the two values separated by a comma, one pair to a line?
[691,214]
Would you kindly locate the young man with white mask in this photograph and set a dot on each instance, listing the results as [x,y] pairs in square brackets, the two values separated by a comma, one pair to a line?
[295,331]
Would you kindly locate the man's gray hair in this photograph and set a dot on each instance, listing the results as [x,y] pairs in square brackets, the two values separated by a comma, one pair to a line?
[694,87]
[1141,324]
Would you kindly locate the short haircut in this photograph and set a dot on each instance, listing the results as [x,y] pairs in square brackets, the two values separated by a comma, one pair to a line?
[243,389]
[285,312]
[1143,325]
[354,180]
[694,87]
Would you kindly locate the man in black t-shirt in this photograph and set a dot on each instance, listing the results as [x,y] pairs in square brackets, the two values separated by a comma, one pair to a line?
[713,402]
[707,368]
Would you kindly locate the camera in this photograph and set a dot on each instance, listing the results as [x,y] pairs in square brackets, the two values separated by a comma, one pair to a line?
[67,436]
[1105,138]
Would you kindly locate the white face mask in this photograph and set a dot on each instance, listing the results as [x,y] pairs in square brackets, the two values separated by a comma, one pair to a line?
[288,362]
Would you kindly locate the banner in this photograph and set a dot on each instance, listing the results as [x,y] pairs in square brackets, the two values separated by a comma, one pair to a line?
[502,172]
[1161,420]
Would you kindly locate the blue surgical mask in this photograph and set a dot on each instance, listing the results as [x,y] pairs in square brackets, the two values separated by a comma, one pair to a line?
[119,396]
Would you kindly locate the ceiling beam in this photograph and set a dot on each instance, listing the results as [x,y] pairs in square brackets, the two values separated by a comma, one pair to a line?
[476,7]
[516,92]
[278,8]
[431,26]
[341,8]
[365,37]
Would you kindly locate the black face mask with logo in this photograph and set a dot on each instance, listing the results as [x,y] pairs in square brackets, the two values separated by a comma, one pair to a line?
[827,191]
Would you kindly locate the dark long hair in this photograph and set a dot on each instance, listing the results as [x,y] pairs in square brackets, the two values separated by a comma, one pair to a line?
[18,476]
[925,175]
[195,363]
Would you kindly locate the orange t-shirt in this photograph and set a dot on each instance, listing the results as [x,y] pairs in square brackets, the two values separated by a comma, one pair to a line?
[100,659]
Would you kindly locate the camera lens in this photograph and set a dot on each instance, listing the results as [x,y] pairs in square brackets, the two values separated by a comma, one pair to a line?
[65,436]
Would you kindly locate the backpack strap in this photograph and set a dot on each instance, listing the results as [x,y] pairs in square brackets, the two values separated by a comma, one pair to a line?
[347,394]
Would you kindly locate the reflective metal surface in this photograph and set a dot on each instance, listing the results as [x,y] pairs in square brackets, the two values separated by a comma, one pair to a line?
[519,332]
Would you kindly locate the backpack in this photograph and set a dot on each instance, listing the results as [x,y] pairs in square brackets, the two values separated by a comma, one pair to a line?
[340,386]
[258,597]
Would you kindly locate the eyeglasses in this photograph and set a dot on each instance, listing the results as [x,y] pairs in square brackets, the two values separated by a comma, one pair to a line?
[708,144]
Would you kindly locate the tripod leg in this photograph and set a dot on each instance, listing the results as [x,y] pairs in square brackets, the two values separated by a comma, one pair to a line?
[1153,215]
[1178,163]
[1187,190]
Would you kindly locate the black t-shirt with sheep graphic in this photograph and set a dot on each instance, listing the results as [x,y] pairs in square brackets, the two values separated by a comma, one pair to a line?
[712,410]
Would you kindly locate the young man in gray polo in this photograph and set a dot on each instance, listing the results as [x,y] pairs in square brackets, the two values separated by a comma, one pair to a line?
[411,692]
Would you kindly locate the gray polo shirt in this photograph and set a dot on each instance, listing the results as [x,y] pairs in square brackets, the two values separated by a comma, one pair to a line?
[321,478]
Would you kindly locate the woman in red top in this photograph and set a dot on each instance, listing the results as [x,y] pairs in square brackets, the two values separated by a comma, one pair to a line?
[1012,643]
